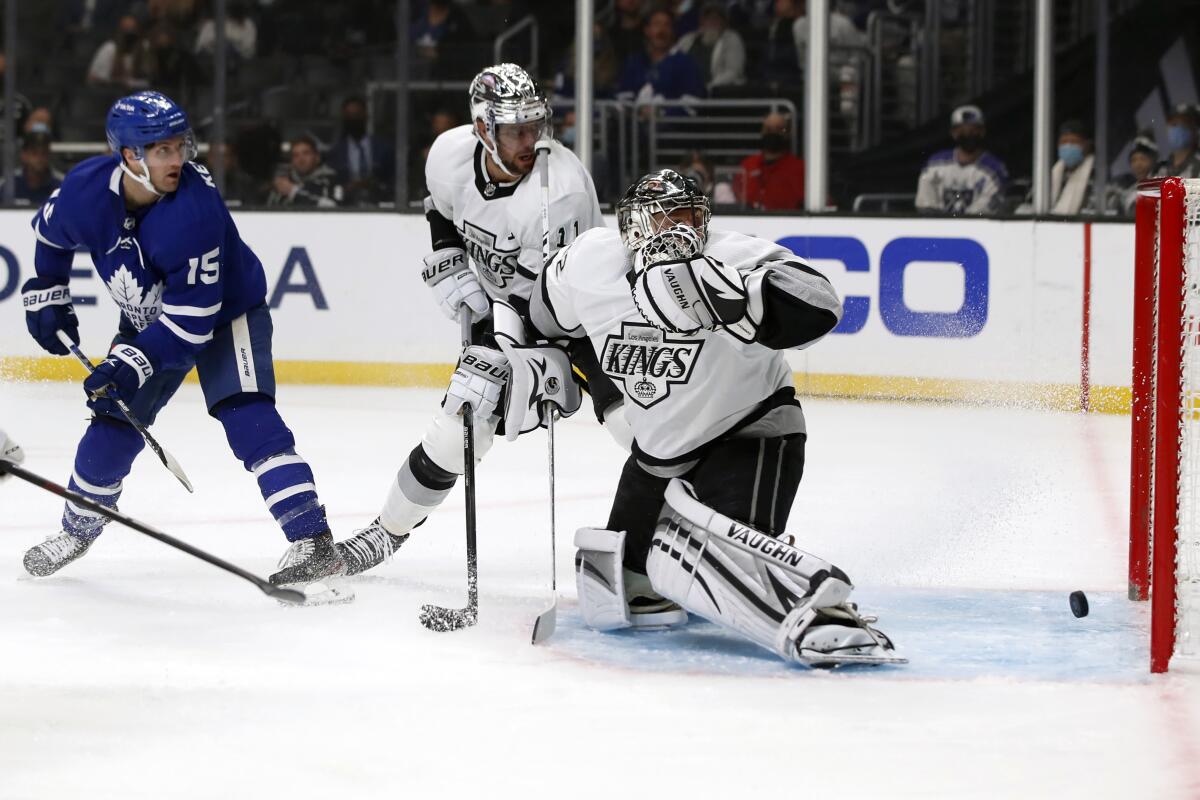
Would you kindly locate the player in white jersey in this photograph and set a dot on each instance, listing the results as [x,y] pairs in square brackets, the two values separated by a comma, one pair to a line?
[691,324]
[484,214]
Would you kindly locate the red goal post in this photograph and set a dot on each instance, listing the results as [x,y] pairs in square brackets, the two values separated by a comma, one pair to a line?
[1164,499]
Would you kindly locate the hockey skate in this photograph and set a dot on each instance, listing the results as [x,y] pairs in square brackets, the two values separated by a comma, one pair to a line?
[648,609]
[307,564]
[55,553]
[369,548]
[827,631]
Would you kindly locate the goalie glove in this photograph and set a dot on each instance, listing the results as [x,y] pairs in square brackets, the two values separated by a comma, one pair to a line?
[453,284]
[540,374]
[479,380]
[678,289]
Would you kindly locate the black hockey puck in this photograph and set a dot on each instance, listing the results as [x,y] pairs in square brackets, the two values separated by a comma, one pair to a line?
[1079,604]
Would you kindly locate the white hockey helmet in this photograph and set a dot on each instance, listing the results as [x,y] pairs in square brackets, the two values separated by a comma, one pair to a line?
[647,205]
[505,94]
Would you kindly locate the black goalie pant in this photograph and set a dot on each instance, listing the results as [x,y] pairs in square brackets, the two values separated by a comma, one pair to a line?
[752,480]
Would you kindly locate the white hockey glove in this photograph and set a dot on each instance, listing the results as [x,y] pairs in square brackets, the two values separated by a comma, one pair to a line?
[10,451]
[540,374]
[686,295]
[453,284]
[478,381]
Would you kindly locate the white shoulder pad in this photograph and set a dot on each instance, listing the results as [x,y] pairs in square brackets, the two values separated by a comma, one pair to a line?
[743,253]
[449,167]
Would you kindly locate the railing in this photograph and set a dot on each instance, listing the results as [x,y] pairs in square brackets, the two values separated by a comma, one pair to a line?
[530,22]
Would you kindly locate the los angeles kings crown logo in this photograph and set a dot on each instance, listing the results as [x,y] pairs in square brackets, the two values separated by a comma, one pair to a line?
[648,361]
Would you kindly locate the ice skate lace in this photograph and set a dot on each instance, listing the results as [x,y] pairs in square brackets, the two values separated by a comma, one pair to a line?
[369,543]
[299,551]
[61,546]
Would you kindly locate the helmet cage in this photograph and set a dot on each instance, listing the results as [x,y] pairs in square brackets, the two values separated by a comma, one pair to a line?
[679,242]
[647,207]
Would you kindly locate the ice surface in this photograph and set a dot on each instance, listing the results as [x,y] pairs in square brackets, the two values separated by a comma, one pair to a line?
[140,672]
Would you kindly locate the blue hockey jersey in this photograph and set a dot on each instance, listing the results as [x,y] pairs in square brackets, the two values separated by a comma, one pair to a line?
[177,269]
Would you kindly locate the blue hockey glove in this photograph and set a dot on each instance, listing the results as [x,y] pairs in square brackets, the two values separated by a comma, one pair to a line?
[48,309]
[124,372]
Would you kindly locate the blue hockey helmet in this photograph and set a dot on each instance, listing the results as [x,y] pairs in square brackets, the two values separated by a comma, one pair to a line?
[142,119]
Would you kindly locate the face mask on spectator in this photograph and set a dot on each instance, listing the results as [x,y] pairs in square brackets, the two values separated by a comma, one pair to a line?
[969,142]
[568,138]
[774,142]
[1070,154]
[1180,137]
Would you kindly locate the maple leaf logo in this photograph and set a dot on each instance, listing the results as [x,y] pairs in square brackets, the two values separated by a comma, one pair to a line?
[141,308]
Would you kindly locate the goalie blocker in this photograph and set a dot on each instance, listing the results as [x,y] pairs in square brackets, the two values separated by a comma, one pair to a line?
[788,601]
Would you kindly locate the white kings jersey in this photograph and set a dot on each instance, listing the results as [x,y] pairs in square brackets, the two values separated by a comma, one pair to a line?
[683,392]
[501,224]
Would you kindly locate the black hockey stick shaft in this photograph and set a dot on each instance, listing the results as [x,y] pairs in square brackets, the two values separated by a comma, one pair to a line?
[437,618]
[166,458]
[288,595]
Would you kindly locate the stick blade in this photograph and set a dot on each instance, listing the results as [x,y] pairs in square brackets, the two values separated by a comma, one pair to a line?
[443,620]
[177,471]
[545,624]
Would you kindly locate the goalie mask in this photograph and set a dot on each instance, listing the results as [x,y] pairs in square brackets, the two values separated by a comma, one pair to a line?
[651,205]
[504,94]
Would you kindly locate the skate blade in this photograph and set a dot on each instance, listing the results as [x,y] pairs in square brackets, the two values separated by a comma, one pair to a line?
[815,658]
[321,594]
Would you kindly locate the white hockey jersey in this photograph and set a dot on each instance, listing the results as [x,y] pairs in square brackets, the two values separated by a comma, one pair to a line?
[682,392]
[948,186]
[501,224]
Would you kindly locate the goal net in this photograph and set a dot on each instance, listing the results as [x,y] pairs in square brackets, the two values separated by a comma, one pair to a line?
[1164,542]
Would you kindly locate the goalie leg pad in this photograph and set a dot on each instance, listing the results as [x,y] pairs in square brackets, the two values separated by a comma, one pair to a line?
[600,578]
[759,587]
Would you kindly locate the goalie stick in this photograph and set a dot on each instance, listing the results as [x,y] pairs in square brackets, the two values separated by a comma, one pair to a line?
[438,618]
[285,595]
[166,458]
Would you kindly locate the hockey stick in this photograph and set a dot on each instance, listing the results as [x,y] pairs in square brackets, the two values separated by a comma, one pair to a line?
[166,458]
[286,595]
[437,618]
[546,622]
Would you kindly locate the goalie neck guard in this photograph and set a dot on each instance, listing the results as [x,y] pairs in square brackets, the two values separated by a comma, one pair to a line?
[646,208]
[505,94]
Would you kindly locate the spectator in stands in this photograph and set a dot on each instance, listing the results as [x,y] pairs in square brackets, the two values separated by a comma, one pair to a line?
[1071,185]
[365,164]
[22,104]
[241,188]
[1184,161]
[1143,158]
[716,48]
[657,71]
[442,25]
[966,179]
[842,31]
[175,69]
[40,120]
[625,31]
[35,179]
[773,178]
[176,14]
[125,60]
[779,60]
[605,68]
[241,33]
[699,168]
[305,181]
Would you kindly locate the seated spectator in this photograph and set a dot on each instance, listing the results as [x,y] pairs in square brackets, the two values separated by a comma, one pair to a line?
[35,179]
[773,178]
[966,179]
[40,120]
[442,25]
[605,67]
[125,60]
[22,105]
[716,48]
[1184,161]
[1071,176]
[241,34]
[365,164]
[241,188]
[1143,158]
[625,31]
[842,31]
[657,71]
[305,181]
[697,167]
[175,68]
[780,61]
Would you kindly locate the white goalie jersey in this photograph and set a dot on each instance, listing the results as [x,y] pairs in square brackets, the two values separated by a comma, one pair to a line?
[683,391]
[501,224]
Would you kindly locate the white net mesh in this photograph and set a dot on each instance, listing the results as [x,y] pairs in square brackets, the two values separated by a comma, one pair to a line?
[1188,539]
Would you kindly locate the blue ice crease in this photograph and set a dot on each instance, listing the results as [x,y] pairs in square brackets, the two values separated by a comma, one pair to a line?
[946,634]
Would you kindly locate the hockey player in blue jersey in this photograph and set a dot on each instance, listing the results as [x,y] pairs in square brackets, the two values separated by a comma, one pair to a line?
[191,293]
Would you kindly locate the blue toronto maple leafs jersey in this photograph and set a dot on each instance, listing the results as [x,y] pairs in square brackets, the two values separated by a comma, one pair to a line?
[177,269]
